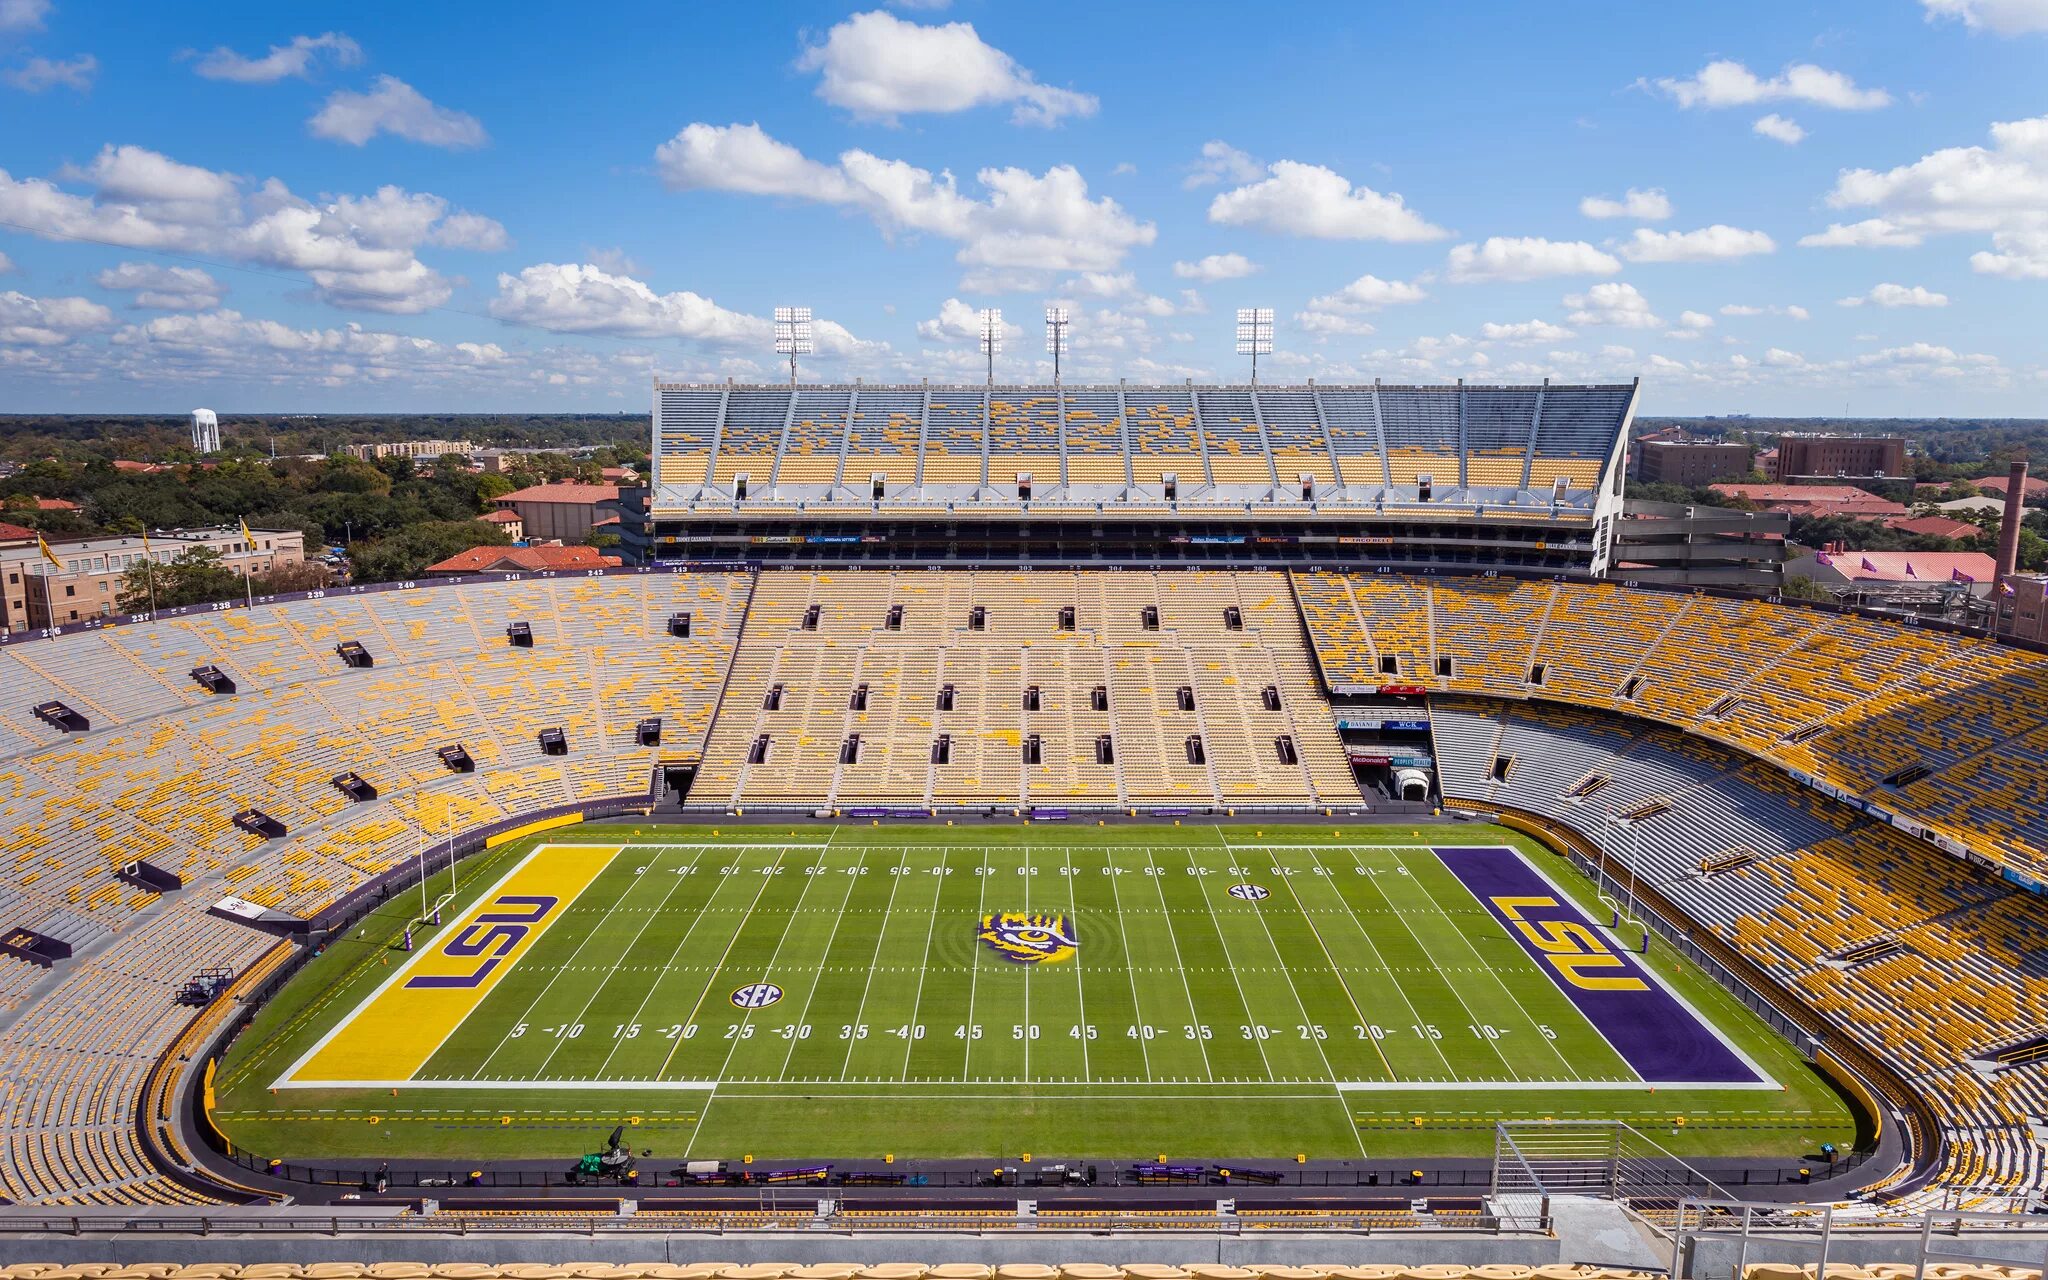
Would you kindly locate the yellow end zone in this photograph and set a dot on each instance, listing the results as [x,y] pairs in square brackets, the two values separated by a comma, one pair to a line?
[391,1036]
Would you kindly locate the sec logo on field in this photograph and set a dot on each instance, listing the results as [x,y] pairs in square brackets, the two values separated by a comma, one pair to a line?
[1249,892]
[758,995]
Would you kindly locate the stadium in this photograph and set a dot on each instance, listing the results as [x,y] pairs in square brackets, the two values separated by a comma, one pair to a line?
[1144,810]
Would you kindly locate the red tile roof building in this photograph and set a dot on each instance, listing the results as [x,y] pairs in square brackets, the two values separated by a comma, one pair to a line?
[566,510]
[522,560]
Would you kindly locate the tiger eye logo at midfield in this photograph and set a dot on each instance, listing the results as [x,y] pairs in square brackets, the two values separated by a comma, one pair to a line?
[1029,938]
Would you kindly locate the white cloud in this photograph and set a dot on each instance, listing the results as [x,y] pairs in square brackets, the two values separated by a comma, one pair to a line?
[1217,266]
[162,288]
[1310,200]
[6,264]
[2021,255]
[392,106]
[2001,190]
[1222,162]
[1368,293]
[1525,332]
[1643,206]
[48,322]
[1743,310]
[1871,233]
[1123,169]
[1527,258]
[1779,358]
[1898,295]
[1717,243]
[38,74]
[283,60]
[1725,83]
[959,323]
[1027,223]
[1779,129]
[880,67]
[579,298]
[23,15]
[1695,320]
[2005,17]
[470,231]
[1612,303]
[358,251]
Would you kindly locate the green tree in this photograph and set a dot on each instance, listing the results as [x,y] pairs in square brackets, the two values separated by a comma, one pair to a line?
[1804,589]
[197,576]
[408,552]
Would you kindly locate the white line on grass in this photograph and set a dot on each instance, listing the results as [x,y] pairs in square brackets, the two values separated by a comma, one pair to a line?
[1080,956]
[974,967]
[818,970]
[1351,914]
[597,988]
[767,878]
[1423,947]
[1137,1006]
[698,917]
[1230,963]
[874,959]
[923,967]
[1492,972]
[781,939]
[1166,915]
[1287,882]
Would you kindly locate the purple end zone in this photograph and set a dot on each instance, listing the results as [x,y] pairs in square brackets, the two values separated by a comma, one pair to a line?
[1661,1039]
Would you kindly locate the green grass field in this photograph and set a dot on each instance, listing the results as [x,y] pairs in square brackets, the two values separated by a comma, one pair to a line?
[824,992]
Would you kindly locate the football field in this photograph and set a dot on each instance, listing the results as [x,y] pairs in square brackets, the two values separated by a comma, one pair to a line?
[1095,991]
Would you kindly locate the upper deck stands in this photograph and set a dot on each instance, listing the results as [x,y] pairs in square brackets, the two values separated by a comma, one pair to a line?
[1480,446]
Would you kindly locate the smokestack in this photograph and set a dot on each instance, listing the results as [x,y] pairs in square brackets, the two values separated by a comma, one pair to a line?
[2009,527]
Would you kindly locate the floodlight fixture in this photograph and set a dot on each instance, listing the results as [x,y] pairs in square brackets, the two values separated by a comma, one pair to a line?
[991,338]
[1255,335]
[1056,321]
[792,335]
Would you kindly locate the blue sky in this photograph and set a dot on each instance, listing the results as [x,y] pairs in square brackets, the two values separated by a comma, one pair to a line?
[1785,207]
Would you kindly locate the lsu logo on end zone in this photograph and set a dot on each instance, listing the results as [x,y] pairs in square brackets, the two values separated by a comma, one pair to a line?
[391,1036]
[484,943]
[1575,951]
[1038,937]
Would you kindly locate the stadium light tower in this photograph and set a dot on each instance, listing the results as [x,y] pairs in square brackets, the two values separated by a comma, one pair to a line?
[1056,338]
[792,335]
[1255,335]
[991,338]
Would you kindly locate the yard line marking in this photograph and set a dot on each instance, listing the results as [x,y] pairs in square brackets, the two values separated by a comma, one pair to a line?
[554,977]
[974,967]
[703,913]
[1331,960]
[1363,932]
[860,1010]
[1130,970]
[924,965]
[818,970]
[1493,973]
[1230,962]
[598,987]
[767,878]
[1329,1072]
[1074,923]
[1402,916]
[1166,914]
[747,1016]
